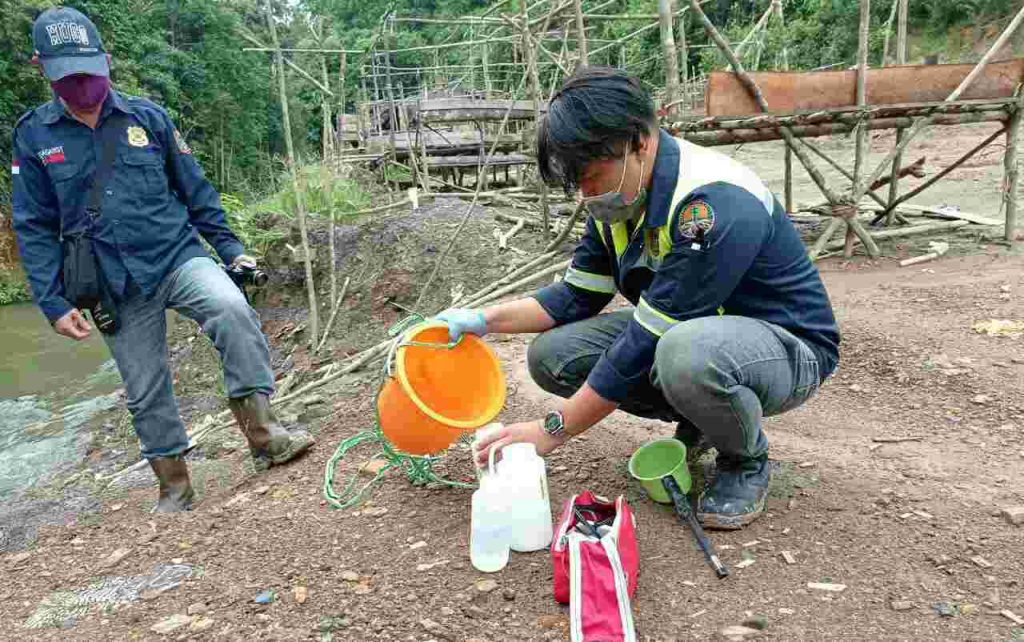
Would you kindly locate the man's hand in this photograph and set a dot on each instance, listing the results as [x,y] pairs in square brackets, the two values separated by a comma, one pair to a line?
[73,325]
[462,320]
[530,431]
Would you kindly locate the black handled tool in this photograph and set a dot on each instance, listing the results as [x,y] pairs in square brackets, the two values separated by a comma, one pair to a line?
[687,517]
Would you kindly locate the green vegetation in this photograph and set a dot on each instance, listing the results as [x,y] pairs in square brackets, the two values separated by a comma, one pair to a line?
[13,288]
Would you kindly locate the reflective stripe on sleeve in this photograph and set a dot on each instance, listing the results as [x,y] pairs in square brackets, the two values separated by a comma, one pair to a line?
[655,322]
[588,281]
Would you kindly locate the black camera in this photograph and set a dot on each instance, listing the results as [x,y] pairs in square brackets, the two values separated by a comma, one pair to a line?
[244,275]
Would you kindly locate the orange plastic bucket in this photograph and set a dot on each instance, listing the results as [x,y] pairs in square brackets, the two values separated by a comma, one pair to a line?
[435,393]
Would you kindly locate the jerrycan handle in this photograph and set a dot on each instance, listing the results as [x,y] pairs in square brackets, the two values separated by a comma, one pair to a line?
[490,460]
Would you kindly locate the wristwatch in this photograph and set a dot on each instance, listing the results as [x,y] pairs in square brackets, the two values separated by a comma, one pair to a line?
[554,424]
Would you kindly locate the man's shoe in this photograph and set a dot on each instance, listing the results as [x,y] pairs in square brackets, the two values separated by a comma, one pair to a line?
[176,492]
[269,442]
[737,495]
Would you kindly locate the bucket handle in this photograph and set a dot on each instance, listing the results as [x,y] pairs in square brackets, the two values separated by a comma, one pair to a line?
[400,343]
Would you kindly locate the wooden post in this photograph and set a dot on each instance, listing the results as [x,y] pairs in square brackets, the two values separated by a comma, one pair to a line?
[531,67]
[668,50]
[901,33]
[1011,169]
[314,316]
[581,32]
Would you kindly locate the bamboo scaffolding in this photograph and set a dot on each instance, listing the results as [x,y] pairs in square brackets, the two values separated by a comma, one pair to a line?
[740,136]
[314,313]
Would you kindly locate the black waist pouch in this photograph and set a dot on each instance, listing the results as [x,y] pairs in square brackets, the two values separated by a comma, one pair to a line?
[81,273]
[85,286]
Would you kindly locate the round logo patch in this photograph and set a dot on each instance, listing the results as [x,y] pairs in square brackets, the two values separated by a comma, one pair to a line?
[696,220]
[137,137]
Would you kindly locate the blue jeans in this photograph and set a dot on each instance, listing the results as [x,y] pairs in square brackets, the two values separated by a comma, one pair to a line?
[715,375]
[200,290]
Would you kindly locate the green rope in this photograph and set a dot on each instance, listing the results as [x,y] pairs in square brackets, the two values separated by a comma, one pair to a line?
[418,469]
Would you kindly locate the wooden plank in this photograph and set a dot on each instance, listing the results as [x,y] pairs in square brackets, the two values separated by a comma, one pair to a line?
[473,161]
[460,109]
[788,92]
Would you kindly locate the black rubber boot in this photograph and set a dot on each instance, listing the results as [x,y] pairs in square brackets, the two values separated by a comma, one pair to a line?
[737,495]
[269,442]
[176,492]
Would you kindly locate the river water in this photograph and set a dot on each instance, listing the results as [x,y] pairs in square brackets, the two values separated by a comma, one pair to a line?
[50,386]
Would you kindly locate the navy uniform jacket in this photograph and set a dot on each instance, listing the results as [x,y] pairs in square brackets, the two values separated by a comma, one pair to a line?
[155,202]
[713,240]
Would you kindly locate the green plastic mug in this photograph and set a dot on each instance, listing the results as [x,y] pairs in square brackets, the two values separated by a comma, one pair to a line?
[655,460]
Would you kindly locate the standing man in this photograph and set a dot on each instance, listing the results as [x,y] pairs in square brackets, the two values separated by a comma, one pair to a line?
[113,170]
[731,321]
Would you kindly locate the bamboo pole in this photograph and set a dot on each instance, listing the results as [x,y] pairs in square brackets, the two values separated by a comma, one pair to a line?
[581,32]
[862,130]
[888,33]
[897,160]
[314,318]
[919,123]
[327,134]
[394,120]
[299,70]
[684,52]
[1012,169]
[668,50]
[901,33]
[531,67]
[343,70]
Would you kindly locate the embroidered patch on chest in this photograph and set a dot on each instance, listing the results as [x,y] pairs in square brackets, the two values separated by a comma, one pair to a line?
[51,155]
[696,220]
[137,137]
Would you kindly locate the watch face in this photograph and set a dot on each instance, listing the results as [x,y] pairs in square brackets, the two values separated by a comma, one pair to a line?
[553,422]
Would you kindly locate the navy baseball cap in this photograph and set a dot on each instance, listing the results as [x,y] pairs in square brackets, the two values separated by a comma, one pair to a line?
[68,43]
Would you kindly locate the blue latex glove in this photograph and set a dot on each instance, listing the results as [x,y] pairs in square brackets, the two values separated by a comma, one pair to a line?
[461,321]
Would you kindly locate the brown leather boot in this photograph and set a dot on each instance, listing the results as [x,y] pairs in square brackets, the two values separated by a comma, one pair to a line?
[269,442]
[176,492]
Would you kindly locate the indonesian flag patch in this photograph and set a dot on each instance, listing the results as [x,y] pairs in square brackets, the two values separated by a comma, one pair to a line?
[15,167]
[52,155]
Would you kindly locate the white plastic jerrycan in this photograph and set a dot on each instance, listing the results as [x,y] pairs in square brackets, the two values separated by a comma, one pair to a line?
[490,533]
[524,479]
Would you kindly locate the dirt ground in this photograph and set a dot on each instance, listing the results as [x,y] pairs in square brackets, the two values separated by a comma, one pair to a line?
[911,528]
[903,525]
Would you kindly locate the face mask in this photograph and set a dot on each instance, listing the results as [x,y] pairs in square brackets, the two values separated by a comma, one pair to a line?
[611,207]
[82,92]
